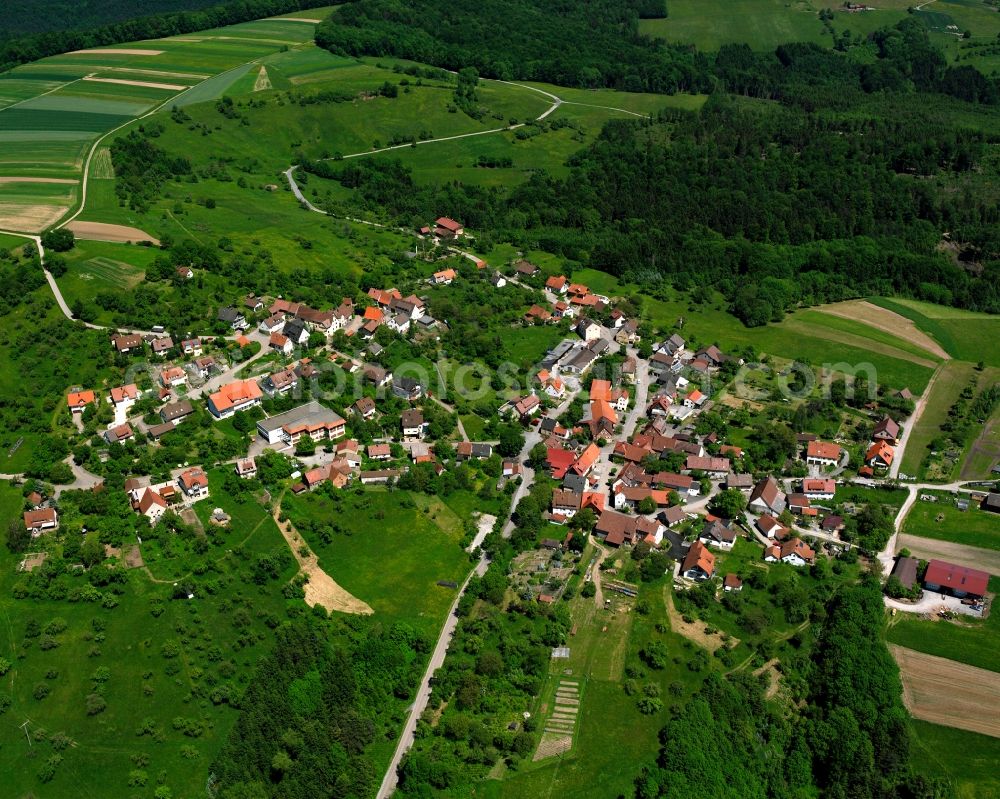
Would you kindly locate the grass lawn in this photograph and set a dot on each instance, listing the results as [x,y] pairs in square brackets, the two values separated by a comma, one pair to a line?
[976,642]
[893,497]
[390,554]
[974,527]
[968,759]
[527,345]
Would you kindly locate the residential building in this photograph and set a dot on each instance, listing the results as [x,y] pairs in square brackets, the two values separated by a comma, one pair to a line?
[407,388]
[379,452]
[445,228]
[311,419]
[819,488]
[465,450]
[281,343]
[557,283]
[887,430]
[124,395]
[126,342]
[173,376]
[233,397]
[767,497]
[699,563]
[820,453]
[246,468]
[717,534]
[78,400]
[233,317]
[412,423]
[793,551]
[161,345]
[194,483]
[879,455]
[40,520]
[365,408]
[732,582]
[176,412]
[588,330]
[525,268]
[119,434]
[191,346]
[445,277]
[280,382]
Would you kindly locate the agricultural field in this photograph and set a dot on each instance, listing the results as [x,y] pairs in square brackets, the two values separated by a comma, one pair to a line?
[950,693]
[965,335]
[54,111]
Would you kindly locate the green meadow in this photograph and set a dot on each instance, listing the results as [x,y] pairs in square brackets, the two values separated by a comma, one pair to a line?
[387,549]
[944,521]
[968,759]
[965,335]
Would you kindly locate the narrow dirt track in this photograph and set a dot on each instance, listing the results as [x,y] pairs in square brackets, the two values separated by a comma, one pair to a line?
[946,692]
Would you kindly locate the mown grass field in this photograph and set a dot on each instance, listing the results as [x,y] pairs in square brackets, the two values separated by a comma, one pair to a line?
[965,335]
[390,554]
[974,527]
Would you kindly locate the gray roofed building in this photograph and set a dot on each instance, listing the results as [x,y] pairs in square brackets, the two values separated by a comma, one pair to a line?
[175,411]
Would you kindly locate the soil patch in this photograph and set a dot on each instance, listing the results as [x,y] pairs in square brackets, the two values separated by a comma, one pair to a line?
[101,231]
[29,218]
[693,631]
[67,181]
[32,561]
[190,518]
[890,322]
[116,51]
[133,558]
[947,692]
[960,554]
[263,81]
[321,589]
[171,87]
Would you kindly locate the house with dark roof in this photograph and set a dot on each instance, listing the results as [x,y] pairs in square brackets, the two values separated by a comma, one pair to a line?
[887,430]
[233,317]
[905,570]
[716,534]
[767,497]
[412,423]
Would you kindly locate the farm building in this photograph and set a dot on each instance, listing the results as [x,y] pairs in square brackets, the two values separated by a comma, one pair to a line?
[959,581]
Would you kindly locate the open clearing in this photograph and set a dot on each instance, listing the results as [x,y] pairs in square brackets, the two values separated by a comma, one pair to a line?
[950,693]
[321,589]
[263,81]
[960,554]
[101,231]
[882,319]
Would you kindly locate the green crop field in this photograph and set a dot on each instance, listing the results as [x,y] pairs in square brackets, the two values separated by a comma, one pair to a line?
[389,553]
[954,377]
[966,758]
[974,527]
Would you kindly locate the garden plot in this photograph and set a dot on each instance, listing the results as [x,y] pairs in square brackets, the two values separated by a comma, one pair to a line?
[560,724]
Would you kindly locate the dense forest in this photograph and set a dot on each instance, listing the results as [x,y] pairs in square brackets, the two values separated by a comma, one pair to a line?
[844,186]
[23,49]
[314,706]
[853,740]
[41,16]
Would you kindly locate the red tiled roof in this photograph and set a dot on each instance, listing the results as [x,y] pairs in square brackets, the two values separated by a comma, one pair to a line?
[956,578]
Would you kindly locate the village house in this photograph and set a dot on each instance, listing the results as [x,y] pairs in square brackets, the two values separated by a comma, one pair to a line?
[379,452]
[246,468]
[819,488]
[715,467]
[407,388]
[630,496]
[601,418]
[526,406]
[699,563]
[565,505]
[191,346]
[296,332]
[173,376]
[628,332]
[204,366]
[312,419]
[119,434]
[365,408]
[161,345]
[618,398]
[716,534]
[41,520]
[280,382]
[176,412]
[281,343]
[78,400]
[822,454]
[767,497]
[185,272]
[497,280]
[793,551]
[800,504]
[525,268]
[466,450]
[124,343]
[887,430]
[232,317]
[557,284]
[536,314]
[234,397]
[273,324]
[376,375]
[879,455]
[741,482]
[445,277]
[124,396]
[412,424]
[194,483]
[584,464]
[588,329]
[445,228]
[337,473]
